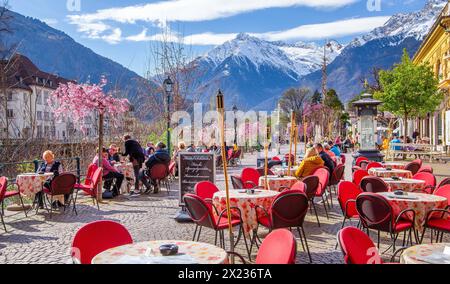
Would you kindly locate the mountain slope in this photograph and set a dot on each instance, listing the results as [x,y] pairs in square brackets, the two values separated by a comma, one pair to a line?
[381,48]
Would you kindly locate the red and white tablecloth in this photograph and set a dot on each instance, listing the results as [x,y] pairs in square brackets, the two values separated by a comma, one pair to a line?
[284,171]
[148,253]
[276,183]
[30,184]
[408,185]
[422,205]
[394,165]
[421,254]
[128,171]
[247,204]
[384,173]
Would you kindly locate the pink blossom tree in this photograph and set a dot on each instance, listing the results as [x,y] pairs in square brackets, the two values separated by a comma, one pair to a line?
[79,101]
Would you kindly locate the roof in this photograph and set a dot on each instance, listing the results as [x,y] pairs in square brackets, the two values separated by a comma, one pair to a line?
[22,73]
[367,99]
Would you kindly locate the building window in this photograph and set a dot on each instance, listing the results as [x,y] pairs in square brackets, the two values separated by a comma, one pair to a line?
[45,98]
[10,97]
[39,97]
[39,115]
[46,116]
[46,131]
[53,131]
[39,131]
[10,113]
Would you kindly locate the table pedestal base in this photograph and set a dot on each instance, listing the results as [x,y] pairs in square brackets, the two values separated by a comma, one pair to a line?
[183,217]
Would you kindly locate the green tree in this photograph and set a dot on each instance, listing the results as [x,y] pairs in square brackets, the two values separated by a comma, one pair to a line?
[409,90]
[295,99]
[332,101]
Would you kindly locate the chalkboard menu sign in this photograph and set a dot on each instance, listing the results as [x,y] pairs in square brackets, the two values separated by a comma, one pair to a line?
[194,168]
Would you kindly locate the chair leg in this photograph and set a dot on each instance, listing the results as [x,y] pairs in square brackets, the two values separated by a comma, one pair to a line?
[195,233]
[325,206]
[51,206]
[246,244]
[215,238]
[306,244]
[199,232]
[3,221]
[23,205]
[423,235]
[315,212]
[342,227]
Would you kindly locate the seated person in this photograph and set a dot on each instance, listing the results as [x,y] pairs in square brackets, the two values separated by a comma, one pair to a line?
[336,149]
[310,163]
[396,141]
[327,149]
[113,154]
[150,150]
[161,156]
[50,165]
[325,157]
[110,173]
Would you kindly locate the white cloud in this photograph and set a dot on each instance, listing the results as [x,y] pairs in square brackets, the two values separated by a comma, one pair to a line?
[160,13]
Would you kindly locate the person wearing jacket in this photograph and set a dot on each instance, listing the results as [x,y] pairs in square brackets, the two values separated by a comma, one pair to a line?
[136,155]
[310,163]
[50,165]
[161,156]
[110,173]
[325,157]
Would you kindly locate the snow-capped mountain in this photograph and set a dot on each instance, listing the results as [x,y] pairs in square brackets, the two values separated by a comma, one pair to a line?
[381,48]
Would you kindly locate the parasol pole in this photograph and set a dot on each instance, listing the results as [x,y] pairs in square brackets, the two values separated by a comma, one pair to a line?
[221,110]
[266,162]
[291,142]
[305,129]
[295,145]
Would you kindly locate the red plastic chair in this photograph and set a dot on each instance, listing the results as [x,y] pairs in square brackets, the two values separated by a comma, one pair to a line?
[364,164]
[160,173]
[203,216]
[250,178]
[439,224]
[443,191]
[357,247]
[324,176]
[5,194]
[335,179]
[206,190]
[374,165]
[312,184]
[64,184]
[426,169]
[89,176]
[343,159]
[374,185]
[91,189]
[288,210]
[414,167]
[347,194]
[172,170]
[430,181]
[276,159]
[97,237]
[262,172]
[359,160]
[418,161]
[237,182]
[358,176]
[446,181]
[376,213]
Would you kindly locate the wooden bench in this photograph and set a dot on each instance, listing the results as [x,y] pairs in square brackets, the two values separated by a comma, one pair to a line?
[420,151]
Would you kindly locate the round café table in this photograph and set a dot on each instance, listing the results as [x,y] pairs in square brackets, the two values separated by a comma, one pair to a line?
[283,171]
[385,173]
[128,171]
[405,184]
[247,204]
[421,203]
[31,183]
[426,254]
[148,253]
[394,165]
[276,183]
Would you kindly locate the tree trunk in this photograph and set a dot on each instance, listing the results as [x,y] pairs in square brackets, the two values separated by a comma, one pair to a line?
[405,132]
[100,155]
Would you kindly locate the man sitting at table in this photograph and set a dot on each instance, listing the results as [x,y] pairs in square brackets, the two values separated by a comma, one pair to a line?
[110,174]
[325,157]
[50,165]
[113,154]
[161,156]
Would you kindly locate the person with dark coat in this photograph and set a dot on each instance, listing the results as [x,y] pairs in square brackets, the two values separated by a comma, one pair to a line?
[325,157]
[161,156]
[50,165]
[134,152]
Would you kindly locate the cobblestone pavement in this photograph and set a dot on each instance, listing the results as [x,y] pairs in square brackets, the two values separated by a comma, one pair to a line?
[37,239]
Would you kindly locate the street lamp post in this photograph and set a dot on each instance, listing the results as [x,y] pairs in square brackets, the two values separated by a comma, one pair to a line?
[168,88]
[235,110]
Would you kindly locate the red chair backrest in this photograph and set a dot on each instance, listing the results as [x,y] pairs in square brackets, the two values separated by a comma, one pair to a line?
[375,212]
[90,173]
[358,176]
[199,211]
[159,172]
[172,168]
[359,160]
[338,174]
[97,237]
[237,154]
[444,191]
[357,247]
[300,186]
[3,187]
[324,177]
[374,185]
[418,161]
[430,179]
[262,172]
[230,154]
[413,167]
[312,186]
[289,209]
[250,174]
[63,184]
[276,159]
[364,164]
[205,189]
[446,181]
[426,169]
[374,165]
[343,159]
[279,247]
[348,191]
[237,182]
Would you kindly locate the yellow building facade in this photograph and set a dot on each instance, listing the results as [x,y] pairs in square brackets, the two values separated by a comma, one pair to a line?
[435,51]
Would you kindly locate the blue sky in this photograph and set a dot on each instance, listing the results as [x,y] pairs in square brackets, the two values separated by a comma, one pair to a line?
[123,30]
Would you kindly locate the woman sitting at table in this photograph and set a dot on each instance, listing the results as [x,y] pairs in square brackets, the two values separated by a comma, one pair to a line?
[310,163]
[50,165]
[110,173]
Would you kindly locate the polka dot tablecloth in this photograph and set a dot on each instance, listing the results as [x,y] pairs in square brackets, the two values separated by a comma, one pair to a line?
[384,173]
[247,204]
[276,183]
[148,253]
[422,205]
[426,254]
[408,185]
